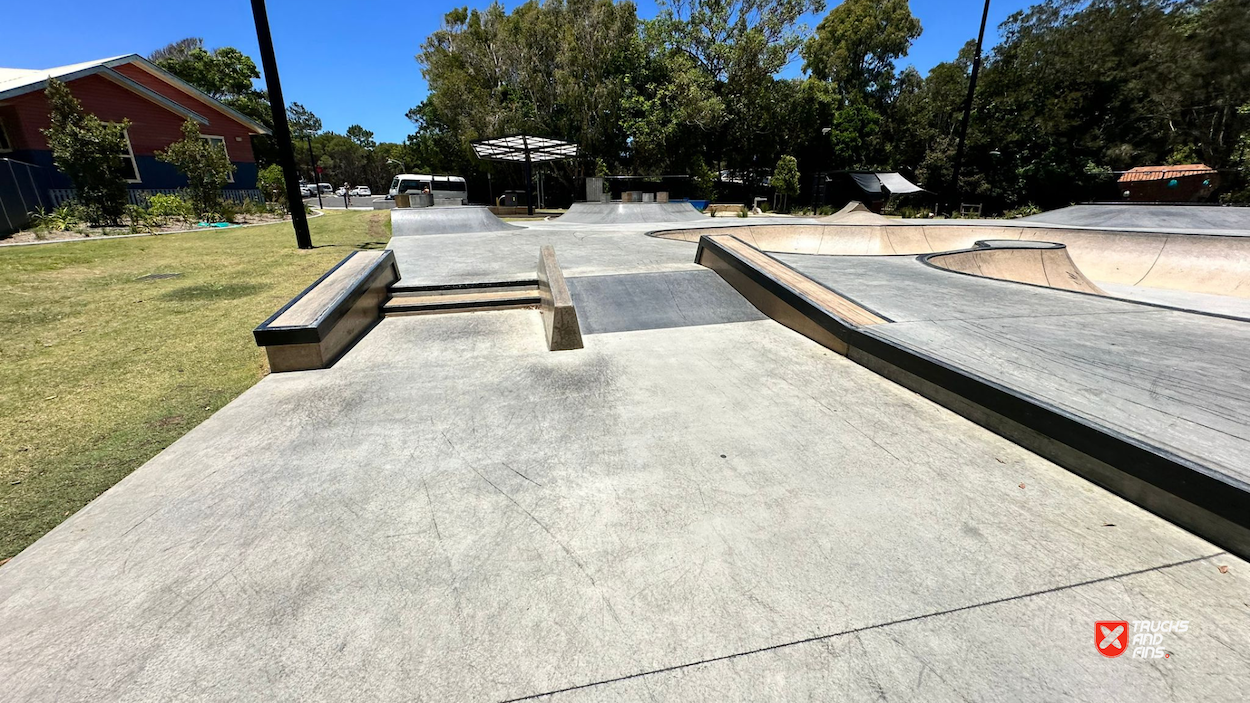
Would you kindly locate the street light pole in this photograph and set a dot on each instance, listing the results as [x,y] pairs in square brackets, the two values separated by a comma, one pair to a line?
[312,162]
[281,129]
[972,89]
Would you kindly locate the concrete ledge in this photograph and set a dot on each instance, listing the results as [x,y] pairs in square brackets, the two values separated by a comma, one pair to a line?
[320,323]
[1190,495]
[559,316]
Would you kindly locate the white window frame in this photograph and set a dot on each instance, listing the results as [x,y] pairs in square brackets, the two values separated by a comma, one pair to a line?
[130,154]
[8,138]
[209,138]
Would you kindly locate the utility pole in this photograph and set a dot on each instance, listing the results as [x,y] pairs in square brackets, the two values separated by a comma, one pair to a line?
[963,125]
[312,162]
[281,129]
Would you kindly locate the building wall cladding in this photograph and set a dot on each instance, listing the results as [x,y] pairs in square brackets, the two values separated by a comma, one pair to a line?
[153,128]
[238,138]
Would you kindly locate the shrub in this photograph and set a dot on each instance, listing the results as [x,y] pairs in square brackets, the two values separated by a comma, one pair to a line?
[1023,211]
[227,211]
[170,207]
[206,167]
[64,218]
[90,153]
[272,185]
[141,220]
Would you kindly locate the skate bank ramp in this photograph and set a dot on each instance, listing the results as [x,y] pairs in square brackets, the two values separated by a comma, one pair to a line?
[629,213]
[416,221]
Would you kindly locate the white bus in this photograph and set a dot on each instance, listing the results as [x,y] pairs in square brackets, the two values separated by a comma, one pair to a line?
[447,190]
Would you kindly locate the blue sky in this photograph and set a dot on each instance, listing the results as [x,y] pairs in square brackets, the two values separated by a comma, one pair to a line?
[350,62]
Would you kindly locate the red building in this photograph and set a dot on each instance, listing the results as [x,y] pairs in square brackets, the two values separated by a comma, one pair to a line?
[123,88]
[1169,184]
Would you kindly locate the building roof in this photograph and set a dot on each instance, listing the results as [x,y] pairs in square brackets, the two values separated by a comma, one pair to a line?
[19,81]
[894,183]
[1163,173]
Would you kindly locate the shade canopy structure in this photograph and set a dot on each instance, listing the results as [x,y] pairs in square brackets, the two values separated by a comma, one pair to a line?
[526,149]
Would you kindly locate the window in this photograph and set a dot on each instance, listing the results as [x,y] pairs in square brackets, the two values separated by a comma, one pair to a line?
[222,141]
[5,144]
[129,164]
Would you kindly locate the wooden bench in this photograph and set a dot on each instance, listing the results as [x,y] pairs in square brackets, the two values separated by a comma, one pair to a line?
[319,324]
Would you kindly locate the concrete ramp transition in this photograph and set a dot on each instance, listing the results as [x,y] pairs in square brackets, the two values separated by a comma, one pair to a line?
[1213,264]
[627,213]
[408,222]
[856,213]
[1036,263]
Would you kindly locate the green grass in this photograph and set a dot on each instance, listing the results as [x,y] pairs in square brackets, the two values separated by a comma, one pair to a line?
[102,365]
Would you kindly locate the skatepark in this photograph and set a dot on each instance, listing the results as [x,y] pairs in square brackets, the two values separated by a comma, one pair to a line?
[644,454]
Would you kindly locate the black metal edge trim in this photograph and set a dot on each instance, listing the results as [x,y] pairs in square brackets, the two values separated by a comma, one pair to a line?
[424,288]
[464,304]
[1150,464]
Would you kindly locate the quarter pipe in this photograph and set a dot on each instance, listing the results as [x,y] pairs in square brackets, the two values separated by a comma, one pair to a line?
[408,222]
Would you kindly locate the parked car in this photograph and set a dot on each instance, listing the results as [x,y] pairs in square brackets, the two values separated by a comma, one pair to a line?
[306,191]
[361,192]
[325,187]
[341,192]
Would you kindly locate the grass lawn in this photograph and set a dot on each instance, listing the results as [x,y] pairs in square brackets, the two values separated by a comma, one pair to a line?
[102,367]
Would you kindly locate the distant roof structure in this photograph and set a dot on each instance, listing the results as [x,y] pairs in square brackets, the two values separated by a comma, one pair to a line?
[19,81]
[1164,173]
[877,183]
[523,147]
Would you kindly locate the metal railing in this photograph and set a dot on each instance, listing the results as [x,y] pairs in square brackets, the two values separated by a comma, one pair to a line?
[19,195]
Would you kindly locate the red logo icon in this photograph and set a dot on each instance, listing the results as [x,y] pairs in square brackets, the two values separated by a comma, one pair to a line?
[1111,637]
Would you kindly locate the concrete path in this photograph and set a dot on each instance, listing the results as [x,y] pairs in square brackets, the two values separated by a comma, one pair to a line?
[699,505]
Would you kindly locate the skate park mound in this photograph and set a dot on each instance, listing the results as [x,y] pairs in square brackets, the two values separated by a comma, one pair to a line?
[855,213]
[1036,263]
[1197,263]
[416,221]
[629,213]
[1169,218]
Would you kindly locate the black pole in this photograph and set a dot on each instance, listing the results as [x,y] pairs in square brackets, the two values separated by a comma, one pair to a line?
[312,161]
[281,130]
[972,89]
[529,178]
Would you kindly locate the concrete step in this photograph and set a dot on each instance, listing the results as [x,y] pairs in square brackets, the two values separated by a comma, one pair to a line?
[442,301]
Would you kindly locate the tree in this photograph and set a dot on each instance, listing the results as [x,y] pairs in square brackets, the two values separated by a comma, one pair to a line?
[272,183]
[856,44]
[90,152]
[302,120]
[785,179]
[206,166]
[362,137]
[176,51]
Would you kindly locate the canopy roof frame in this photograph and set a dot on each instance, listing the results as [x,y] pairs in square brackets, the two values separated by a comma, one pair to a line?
[526,149]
